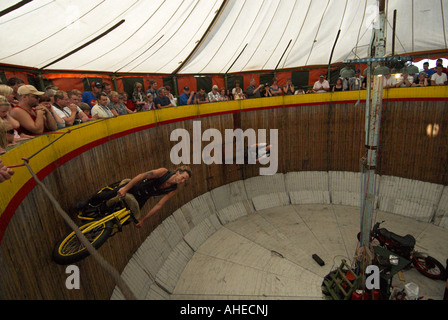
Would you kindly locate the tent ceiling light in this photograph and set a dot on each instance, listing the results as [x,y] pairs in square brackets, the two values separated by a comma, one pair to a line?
[381,70]
[347,72]
[197,33]
[412,69]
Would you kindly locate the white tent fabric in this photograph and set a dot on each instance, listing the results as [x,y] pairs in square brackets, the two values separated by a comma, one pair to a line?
[161,36]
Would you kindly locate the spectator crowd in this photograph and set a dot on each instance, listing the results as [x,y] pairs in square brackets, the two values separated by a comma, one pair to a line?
[427,77]
[26,112]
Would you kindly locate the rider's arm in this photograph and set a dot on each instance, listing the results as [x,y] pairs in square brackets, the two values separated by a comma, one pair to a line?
[157,207]
[153,174]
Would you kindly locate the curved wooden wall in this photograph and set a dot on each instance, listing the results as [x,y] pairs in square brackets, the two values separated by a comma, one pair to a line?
[319,132]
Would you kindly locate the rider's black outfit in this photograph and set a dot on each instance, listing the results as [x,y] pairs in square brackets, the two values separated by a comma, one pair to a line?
[142,191]
[148,188]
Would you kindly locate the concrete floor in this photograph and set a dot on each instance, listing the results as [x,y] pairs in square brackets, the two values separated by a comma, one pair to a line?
[268,254]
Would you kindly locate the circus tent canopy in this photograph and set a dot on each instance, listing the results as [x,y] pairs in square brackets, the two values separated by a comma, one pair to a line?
[208,36]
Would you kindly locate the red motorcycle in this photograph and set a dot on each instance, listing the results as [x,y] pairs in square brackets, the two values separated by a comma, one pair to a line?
[404,247]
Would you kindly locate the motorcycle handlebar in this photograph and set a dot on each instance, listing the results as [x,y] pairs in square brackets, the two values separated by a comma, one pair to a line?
[377,224]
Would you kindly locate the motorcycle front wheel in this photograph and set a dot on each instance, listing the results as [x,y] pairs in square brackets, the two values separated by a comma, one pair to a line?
[70,249]
[428,266]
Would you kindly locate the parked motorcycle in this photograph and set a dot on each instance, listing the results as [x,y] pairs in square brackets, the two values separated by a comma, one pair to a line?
[404,247]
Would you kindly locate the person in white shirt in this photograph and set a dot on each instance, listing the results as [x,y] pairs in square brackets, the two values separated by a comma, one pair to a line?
[101,110]
[238,95]
[234,90]
[64,109]
[299,91]
[75,97]
[214,96]
[256,152]
[405,81]
[439,78]
[321,85]
[389,81]
[67,110]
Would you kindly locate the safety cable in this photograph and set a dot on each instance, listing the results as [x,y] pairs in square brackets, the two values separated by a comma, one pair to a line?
[103,263]
[122,285]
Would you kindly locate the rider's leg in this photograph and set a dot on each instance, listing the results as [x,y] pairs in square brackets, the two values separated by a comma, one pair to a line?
[130,200]
[107,193]
[101,197]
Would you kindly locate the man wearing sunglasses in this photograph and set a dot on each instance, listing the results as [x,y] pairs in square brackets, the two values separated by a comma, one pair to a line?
[34,119]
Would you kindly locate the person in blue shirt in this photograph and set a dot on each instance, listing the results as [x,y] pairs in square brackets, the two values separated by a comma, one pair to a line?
[427,71]
[90,97]
[187,97]
[162,101]
[153,89]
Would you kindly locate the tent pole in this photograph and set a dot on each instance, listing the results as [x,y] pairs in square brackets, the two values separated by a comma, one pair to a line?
[175,84]
[283,54]
[331,56]
[204,36]
[236,59]
[393,32]
[14,7]
[85,44]
[373,123]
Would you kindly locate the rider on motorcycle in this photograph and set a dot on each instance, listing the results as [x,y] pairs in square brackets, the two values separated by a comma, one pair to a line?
[138,190]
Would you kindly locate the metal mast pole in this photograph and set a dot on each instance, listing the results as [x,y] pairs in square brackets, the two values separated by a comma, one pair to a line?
[373,124]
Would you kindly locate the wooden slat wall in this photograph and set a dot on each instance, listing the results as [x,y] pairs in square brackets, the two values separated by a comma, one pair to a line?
[326,137]
[405,148]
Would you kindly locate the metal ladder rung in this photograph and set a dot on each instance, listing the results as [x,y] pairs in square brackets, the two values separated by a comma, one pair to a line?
[345,278]
[329,286]
[337,282]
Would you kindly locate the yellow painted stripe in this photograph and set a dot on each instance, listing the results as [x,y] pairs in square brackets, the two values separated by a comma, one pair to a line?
[84,134]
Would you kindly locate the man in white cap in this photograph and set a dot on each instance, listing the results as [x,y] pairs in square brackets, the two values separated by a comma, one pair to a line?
[321,85]
[214,96]
[34,119]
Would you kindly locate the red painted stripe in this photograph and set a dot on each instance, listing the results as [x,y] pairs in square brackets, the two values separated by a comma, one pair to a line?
[30,184]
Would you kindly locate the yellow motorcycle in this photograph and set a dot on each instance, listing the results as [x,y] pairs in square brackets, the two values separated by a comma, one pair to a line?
[102,223]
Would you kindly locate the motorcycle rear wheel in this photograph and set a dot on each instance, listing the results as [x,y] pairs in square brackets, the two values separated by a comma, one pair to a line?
[429,266]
